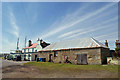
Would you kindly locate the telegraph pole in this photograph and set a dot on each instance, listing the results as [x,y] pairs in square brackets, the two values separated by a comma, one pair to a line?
[25,40]
[18,44]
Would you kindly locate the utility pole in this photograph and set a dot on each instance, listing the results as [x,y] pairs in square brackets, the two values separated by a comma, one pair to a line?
[25,40]
[18,44]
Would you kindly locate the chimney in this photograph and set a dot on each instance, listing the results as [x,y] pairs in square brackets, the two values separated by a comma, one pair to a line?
[41,41]
[116,43]
[106,43]
[30,43]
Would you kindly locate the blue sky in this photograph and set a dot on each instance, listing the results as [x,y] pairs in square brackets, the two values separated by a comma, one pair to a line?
[56,21]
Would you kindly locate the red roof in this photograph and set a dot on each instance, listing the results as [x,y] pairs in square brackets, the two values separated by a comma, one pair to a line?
[33,46]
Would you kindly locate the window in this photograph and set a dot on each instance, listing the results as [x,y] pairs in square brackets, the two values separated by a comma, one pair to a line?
[28,50]
[32,49]
[55,54]
[24,50]
[29,55]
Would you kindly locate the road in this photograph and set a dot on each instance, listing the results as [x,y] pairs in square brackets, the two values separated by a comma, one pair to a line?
[6,63]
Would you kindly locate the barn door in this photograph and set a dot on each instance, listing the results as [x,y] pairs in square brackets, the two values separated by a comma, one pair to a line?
[81,58]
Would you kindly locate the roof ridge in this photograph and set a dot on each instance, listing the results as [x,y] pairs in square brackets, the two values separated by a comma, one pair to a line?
[99,43]
[95,41]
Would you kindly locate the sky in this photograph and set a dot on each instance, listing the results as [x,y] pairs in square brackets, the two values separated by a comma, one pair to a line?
[58,21]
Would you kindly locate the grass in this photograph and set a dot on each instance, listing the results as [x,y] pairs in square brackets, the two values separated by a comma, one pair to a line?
[1,57]
[72,67]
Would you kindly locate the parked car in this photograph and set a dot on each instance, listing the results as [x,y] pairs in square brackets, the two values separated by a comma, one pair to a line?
[9,57]
[18,58]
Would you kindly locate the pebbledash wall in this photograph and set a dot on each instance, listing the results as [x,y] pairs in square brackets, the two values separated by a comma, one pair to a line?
[97,55]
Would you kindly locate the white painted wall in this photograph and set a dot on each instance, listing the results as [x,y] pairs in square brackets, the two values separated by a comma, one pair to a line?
[30,49]
[38,48]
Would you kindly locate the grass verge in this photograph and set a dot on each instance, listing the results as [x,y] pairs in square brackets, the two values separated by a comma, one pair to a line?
[71,67]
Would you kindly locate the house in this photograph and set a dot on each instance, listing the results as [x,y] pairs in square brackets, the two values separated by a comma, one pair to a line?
[30,48]
[35,47]
[31,51]
[78,51]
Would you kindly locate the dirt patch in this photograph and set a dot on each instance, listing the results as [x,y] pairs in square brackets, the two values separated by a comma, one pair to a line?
[27,71]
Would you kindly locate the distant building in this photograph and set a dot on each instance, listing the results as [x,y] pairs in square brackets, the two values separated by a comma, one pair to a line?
[35,47]
[79,51]
[117,44]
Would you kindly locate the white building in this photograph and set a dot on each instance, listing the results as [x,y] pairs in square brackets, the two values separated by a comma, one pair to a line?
[35,47]
[31,51]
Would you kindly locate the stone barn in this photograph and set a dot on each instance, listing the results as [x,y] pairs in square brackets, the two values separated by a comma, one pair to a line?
[78,51]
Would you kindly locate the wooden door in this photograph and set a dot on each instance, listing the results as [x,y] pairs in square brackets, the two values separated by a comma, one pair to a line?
[81,58]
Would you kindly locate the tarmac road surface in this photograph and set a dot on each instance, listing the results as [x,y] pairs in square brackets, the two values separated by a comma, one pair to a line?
[5,63]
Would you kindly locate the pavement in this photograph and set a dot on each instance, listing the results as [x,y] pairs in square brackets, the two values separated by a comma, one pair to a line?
[6,63]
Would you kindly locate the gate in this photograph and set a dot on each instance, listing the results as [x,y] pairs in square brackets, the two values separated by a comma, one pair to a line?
[82,59]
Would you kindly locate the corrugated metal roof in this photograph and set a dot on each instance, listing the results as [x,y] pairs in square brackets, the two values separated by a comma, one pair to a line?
[77,43]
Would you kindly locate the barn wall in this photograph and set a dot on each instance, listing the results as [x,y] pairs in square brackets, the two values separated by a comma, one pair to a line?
[94,55]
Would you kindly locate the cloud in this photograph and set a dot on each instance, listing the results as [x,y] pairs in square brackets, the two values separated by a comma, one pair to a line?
[74,22]
[69,33]
[88,30]
[106,35]
[85,30]
[72,34]
[15,29]
[62,23]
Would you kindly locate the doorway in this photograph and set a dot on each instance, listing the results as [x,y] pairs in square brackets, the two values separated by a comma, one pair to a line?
[35,57]
[50,58]
[82,59]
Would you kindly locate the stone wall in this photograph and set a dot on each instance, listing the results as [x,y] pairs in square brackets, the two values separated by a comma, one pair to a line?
[94,55]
